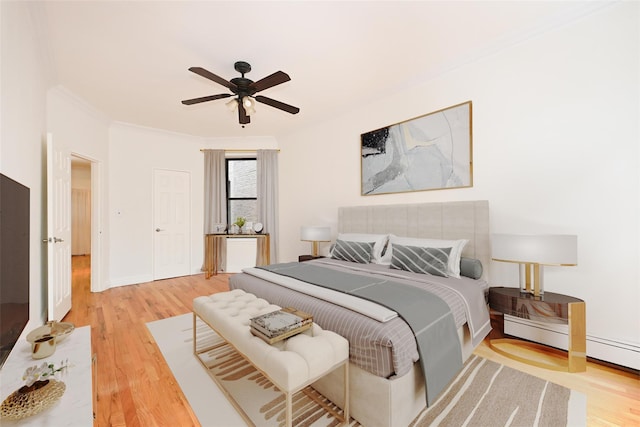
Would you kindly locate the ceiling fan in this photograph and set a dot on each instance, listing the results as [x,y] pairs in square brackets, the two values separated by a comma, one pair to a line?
[244,91]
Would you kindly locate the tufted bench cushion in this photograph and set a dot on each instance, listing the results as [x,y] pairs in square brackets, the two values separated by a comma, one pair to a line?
[292,363]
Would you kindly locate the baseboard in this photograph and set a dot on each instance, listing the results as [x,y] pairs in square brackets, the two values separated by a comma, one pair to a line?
[556,335]
[130,280]
[141,278]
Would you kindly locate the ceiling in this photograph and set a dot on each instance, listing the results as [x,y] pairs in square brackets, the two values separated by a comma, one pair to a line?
[130,59]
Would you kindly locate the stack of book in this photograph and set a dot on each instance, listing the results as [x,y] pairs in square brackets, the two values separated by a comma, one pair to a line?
[280,324]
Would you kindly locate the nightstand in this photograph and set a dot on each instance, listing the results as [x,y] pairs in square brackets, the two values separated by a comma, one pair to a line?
[548,307]
[302,258]
[497,324]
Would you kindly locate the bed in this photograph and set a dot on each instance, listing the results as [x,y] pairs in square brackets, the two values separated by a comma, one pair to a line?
[387,385]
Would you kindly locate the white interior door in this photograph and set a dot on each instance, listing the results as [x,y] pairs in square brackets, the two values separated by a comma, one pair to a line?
[171,213]
[58,229]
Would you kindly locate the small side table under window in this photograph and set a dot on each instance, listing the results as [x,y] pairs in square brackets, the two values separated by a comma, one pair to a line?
[548,307]
[213,245]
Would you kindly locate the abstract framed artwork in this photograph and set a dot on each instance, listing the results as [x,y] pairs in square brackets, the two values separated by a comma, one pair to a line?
[430,152]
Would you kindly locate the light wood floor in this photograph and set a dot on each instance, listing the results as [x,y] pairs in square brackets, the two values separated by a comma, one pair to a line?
[136,388]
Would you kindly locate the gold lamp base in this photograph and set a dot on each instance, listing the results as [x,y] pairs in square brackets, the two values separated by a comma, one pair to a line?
[533,276]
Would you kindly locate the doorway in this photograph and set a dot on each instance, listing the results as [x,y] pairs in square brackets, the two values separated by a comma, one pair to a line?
[81,224]
[85,227]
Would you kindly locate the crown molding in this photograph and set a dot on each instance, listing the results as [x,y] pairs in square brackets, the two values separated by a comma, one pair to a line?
[80,103]
[561,19]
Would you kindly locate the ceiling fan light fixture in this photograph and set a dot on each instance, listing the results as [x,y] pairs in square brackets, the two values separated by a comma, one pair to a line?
[248,102]
[232,105]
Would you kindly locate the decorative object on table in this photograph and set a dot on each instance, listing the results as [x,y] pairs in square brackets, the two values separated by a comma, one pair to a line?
[220,228]
[531,252]
[248,227]
[280,324]
[59,330]
[45,338]
[240,221]
[41,390]
[43,347]
[257,227]
[430,152]
[315,234]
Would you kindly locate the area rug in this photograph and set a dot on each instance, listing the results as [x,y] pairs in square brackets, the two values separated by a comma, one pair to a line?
[485,393]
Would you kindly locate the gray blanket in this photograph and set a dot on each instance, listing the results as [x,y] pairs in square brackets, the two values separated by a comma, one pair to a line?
[428,316]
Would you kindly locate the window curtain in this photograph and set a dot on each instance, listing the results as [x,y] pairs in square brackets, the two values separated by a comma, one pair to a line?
[215,199]
[267,174]
[81,222]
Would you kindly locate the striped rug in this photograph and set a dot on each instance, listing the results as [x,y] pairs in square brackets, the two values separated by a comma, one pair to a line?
[484,394]
[487,393]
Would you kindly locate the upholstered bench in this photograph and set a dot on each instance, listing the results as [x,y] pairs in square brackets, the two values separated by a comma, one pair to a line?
[291,364]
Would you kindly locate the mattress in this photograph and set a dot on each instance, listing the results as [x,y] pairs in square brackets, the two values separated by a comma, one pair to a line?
[385,349]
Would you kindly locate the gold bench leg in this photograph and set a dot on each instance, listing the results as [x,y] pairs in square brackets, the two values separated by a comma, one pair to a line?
[289,409]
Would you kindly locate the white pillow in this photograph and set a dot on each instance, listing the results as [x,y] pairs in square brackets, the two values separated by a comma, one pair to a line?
[454,257]
[379,243]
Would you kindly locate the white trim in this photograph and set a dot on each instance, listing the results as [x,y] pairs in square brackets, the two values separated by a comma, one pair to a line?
[130,280]
[81,104]
[556,335]
[134,126]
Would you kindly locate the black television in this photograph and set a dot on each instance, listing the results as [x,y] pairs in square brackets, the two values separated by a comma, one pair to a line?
[14,263]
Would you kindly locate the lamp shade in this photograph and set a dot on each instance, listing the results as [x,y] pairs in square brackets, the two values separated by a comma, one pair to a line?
[550,249]
[232,105]
[247,102]
[315,234]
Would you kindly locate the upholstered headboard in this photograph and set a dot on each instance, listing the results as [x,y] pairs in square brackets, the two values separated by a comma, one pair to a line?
[448,220]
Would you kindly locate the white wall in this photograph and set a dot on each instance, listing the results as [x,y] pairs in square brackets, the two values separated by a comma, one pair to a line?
[134,153]
[555,146]
[23,83]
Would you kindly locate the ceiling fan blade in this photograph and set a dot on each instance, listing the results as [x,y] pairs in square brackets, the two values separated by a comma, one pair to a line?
[277,104]
[243,119]
[209,75]
[205,99]
[270,81]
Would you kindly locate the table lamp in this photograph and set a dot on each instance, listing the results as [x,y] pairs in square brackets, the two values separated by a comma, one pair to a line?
[533,252]
[315,234]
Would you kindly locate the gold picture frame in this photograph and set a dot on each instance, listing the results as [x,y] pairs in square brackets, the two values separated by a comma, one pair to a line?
[430,152]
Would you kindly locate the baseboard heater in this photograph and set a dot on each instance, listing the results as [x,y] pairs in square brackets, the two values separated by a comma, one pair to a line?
[556,335]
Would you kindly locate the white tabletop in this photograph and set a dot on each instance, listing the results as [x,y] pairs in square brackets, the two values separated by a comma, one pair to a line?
[75,407]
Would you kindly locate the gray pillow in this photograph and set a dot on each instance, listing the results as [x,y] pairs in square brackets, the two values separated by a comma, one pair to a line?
[359,252]
[470,267]
[421,260]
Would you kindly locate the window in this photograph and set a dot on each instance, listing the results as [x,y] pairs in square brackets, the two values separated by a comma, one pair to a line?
[242,190]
